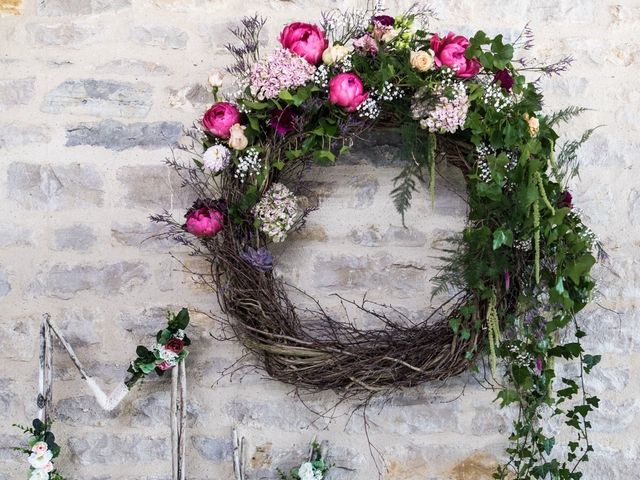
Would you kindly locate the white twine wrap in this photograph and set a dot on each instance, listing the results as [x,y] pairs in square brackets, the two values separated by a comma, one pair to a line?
[110,402]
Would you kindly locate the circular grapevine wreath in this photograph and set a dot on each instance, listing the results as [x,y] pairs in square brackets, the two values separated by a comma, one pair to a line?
[522,265]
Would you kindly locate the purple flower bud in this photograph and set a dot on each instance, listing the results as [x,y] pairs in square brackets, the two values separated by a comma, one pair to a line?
[507,280]
[385,20]
[505,79]
[566,199]
[260,258]
[538,366]
[283,121]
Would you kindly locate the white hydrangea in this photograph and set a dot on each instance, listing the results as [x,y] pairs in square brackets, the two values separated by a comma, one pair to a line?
[277,211]
[216,158]
[306,472]
[164,354]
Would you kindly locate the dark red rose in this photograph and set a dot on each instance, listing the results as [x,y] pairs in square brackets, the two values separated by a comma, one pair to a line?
[283,121]
[565,199]
[386,20]
[505,79]
[174,345]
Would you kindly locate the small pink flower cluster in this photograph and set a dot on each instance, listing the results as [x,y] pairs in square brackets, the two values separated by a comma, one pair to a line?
[448,114]
[281,71]
[277,211]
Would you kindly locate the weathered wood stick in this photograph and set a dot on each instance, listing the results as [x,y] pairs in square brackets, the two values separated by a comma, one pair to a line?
[238,445]
[108,403]
[43,376]
[182,434]
[174,424]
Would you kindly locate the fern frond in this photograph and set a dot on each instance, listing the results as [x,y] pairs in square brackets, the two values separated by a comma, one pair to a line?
[566,114]
[567,160]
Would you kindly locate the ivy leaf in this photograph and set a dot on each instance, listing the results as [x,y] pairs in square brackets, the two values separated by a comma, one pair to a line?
[324,157]
[502,236]
[591,361]
[180,321]
[507,397]
[581,266]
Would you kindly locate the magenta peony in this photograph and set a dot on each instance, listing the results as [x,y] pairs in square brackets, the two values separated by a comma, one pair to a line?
[283,121]
[306,40]
[346,90]
[204,222]
[505,79]
[449,51]
[220,118]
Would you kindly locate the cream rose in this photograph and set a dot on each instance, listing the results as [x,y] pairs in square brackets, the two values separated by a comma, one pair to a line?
[421,60]
[237,139]
[389,35]
[534,124]
[334,54]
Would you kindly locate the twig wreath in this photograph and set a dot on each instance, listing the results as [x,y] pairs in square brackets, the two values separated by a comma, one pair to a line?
[521,269]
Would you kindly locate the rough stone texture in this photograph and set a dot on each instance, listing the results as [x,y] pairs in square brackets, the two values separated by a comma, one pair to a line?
[118,136]
[65,281]
[5,286]
[93,95]
[60,8]
[75,237]
[102,98]
[16,92]
[163,37]
[67,34]
[14,135]
[54,187]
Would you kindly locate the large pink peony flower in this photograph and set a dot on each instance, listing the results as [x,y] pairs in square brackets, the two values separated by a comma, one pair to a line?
[346,90]
[204,222]
[306,40]
[219,119]
[449,51]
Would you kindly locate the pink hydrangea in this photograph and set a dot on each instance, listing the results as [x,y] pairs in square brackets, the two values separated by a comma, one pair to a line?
[283,70]
[449,114]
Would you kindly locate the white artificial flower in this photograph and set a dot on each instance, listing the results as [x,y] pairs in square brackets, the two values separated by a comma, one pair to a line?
[164,354]
[179,334]
[40,460]
[215,79]
[305,472]
[216,158]
[39,474]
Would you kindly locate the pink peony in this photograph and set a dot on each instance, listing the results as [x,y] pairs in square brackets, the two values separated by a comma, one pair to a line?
[306,40]
[366,44]
[346,90]
[219,119]
[204,222]
[449,51]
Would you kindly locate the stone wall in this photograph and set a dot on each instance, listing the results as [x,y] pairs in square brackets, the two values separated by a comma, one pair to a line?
[93,93]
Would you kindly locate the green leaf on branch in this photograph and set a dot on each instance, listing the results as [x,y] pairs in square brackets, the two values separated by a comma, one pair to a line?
[581,266]
[507,397]
[590,361]
[502,236]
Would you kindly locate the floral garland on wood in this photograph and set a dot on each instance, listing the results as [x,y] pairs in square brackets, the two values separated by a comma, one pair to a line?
[521,271]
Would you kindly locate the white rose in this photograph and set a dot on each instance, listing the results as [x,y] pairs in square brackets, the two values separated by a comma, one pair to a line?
[237,139]
[40,460]
[39,474]
[334,54]
[216,159]
[215,79]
